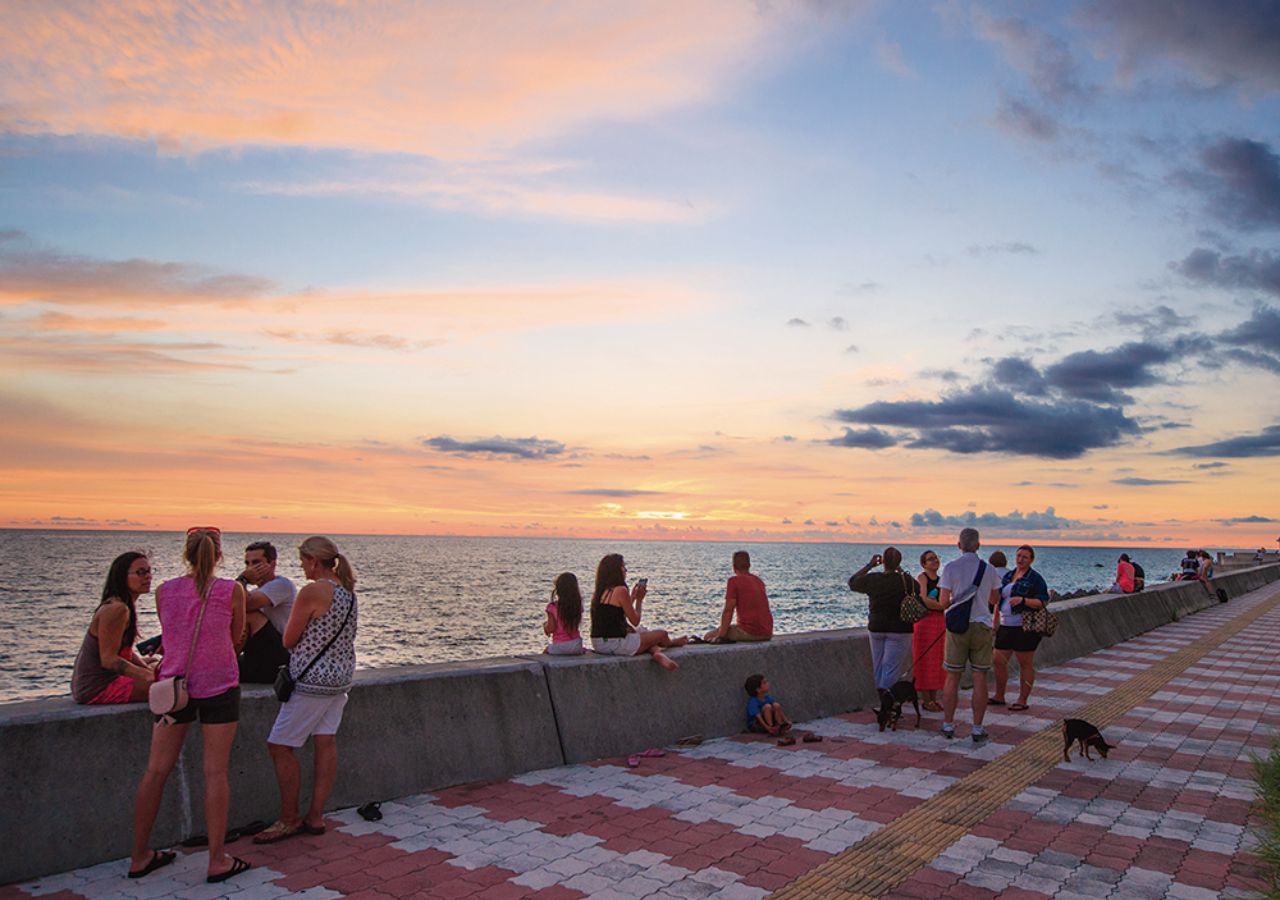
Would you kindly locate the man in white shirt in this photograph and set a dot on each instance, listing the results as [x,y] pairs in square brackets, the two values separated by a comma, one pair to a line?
[968,596]
[270,602]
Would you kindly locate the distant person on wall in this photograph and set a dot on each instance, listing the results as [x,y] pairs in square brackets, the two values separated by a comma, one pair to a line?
[1189,568]
[270,601]
[1139,574]
[967,590]
[926,643]
[564,615]
[615,616]
[321,638]
[890,635]
[107,670]
[1206,565]
[998,561]
[1021,590]
[1124,576]
[746,601]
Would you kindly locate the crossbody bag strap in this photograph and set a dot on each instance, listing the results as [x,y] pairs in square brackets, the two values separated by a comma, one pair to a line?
[315,659]
[191,651]
[977,580]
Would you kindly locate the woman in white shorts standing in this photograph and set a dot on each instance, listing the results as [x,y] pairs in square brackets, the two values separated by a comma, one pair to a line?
[321,638]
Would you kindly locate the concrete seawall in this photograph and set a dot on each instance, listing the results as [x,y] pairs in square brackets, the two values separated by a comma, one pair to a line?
[68,773]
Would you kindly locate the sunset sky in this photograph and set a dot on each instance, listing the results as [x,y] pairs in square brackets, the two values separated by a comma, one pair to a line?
[711,268]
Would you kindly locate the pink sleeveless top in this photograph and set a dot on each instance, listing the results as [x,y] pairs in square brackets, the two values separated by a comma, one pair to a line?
[213,666]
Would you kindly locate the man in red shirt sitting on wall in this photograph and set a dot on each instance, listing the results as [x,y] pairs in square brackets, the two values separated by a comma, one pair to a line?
[744,597]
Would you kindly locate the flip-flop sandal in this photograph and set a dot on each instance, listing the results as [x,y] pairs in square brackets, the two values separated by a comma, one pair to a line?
[694,639]
[933,706]
[992,701]
[276,833]
[371,812]
[786,740]
[312,829]
[653,753]
[238,865]
[633,762]
[811,738]
[1018,707]
[692,740]
[159,859]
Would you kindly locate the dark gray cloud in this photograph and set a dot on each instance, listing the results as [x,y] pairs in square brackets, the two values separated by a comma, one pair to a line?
[1043,58]
[1048,520]
[1016,248]
[612,492]
[797,323]
[1248,520]
[1240,182]
[1100,375]
[496,446]
[1212,465]
[1158,320]
[1022,376]
[1020,118]
[839,323]
[992,420]
[1145,482]
[865,438]
[1260,331]
[1264,443]
[1235,44]
[1257,270]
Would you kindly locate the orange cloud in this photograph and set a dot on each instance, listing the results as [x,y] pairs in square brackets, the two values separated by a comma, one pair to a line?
[444,80]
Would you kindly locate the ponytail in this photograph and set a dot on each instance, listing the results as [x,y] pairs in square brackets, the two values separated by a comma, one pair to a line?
[344,573]
[202,552]
[325,552]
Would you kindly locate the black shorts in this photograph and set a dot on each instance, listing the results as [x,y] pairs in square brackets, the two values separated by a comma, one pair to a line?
[218,710]
[263,656]
[1012,637]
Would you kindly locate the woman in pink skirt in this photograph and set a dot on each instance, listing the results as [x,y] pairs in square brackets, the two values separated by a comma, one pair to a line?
[927,643]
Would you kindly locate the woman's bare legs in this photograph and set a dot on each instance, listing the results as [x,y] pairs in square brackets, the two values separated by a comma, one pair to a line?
[217,792]
[325,747]
[652,642]
[166,744]
[1000,662]
[1026,674]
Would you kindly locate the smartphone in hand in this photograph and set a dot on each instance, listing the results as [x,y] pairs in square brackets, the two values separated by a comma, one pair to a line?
[643,582]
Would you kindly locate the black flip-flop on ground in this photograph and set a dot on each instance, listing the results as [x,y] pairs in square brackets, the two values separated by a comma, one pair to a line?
[811,738]
[238,865]
[992,701]
[371,812]
[159,859]
[694,639]
[1018,707]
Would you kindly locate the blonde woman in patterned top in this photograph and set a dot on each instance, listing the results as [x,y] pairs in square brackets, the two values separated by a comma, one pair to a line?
[321,639]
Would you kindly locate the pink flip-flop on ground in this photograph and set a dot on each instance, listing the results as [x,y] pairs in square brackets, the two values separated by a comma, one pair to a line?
[633,762]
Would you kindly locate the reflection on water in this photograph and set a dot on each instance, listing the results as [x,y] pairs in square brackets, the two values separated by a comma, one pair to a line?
[430,599]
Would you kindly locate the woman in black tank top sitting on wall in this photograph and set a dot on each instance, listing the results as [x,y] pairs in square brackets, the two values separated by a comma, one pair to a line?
[615,617]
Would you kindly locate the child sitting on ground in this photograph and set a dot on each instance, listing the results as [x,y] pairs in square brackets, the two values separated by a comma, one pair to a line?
[764,714]
[564,615]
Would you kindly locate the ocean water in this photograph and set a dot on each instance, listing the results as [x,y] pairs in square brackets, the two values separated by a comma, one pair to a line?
[432,599]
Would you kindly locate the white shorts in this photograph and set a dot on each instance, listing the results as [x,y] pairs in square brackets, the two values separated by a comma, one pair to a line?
[571,647]
[305,715]
[623,646]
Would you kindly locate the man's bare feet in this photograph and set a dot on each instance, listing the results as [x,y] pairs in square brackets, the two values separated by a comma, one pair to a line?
[665,661]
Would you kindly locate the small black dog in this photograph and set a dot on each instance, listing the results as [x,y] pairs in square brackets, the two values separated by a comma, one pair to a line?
[1086,734]
[891,701]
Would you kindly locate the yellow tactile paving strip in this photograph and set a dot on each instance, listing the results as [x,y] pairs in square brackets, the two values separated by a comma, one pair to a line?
[883,860]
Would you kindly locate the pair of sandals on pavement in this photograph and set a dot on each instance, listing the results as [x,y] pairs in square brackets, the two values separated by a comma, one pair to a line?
[1012,707]
[161,858]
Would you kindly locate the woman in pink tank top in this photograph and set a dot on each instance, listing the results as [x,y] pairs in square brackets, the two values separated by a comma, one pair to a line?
[213,684]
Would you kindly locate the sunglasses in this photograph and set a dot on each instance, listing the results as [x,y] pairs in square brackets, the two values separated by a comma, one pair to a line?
[210,529]
[141,573]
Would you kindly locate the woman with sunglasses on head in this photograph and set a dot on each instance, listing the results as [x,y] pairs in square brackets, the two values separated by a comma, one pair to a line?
[321,639]
[202,621]
[106,669]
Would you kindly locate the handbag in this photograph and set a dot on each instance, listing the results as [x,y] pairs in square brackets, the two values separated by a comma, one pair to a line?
[169,695]
[957,614]
[1040,621]
[912,609]
[285,682]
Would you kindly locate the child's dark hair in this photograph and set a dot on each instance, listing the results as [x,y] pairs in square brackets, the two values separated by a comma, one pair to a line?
[752,686]
[568,601]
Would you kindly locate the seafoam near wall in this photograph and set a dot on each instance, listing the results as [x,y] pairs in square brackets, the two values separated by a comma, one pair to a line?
[68,773]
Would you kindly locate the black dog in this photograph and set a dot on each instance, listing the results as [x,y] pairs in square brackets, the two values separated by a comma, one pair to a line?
[1087,735]
[891,701]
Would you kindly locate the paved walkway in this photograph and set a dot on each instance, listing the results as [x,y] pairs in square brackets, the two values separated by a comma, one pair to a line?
[904,814]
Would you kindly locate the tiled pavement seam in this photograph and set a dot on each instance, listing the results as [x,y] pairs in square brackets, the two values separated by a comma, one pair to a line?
[885,859]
